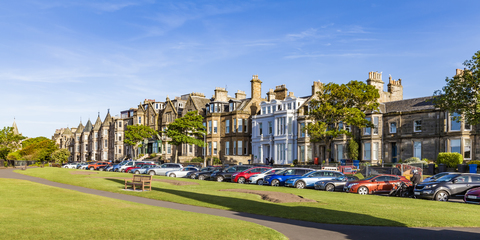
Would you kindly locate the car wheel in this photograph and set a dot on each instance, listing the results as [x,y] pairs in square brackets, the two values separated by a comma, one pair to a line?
[92,168]
[172,175]
[137,172]
[192,176]
[201,177]
[219,179]
[330,188]
[260,181]
[151,173]
[442,196]
[116,170]
[275,183]
[241,180]
[300,185]
[362,190]
[100,169]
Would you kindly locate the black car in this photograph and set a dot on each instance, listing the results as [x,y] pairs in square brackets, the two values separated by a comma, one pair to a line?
[205,175]
[336,184]
[448,186]
[226,174]
[205,170]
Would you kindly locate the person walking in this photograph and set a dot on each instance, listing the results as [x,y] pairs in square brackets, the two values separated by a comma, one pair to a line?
[271,162]
[415,178]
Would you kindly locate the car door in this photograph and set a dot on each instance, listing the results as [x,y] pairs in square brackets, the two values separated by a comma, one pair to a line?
[460,185]
[376,184]
[388,183]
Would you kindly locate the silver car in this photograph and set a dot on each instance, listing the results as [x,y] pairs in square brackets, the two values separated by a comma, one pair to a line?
[164,168]
[180,173]
[258,178]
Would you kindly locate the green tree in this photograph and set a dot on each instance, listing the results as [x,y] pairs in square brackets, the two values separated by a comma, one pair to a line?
[462,93]
[60,155]
[9,141]
[135,134]
[188,129]
[38,149]
[352,149]
[337,105]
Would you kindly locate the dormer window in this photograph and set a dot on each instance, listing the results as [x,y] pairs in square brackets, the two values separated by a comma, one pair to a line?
[279,107]
[232,107]
[208,108]
[264,110]
[216,107]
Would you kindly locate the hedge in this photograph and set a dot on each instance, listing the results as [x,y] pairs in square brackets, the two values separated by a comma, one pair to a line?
[451,160]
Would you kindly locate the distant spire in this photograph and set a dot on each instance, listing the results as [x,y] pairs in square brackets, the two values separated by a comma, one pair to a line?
[14,126]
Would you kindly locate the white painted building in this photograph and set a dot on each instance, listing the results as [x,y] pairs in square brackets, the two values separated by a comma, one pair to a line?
[274,130]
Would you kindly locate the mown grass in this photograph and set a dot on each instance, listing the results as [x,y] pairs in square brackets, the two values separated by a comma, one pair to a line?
[35,211]
[330,207]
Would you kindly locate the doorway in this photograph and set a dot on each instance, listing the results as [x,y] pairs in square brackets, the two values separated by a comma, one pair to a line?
[394,152]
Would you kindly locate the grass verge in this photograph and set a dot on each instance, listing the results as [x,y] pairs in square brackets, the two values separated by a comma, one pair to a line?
[35,211]
[330,207]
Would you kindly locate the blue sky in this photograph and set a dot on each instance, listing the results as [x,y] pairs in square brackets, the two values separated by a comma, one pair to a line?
[62,61]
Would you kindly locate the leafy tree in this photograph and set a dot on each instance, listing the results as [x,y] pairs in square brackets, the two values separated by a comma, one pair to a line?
[188,129]
[461,94]
[9,141]
[135,134]
[38,149]
[337,105]
[352,149]
[60,155]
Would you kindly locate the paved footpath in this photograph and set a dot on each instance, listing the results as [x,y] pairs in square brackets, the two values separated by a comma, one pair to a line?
[293,229]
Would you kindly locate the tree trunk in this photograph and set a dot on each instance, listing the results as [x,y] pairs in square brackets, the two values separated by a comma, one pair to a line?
[328,150]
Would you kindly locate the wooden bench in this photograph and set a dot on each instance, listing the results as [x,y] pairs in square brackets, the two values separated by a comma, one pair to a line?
[140,180]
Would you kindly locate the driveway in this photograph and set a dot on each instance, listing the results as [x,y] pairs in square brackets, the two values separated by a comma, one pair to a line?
[293,229]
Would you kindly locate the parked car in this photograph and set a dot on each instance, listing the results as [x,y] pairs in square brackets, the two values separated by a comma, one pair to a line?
[137,166]
[143,168]
[436,176]
[205,175]
[181,172]
[83,166]
[129,164]
[242,177]
[309,179]
[116,167]
[194,174]
[382,183]
[258,178]
[162,169]
[279,178]
[472,196]
[226,174]
[104,167]
[96,165]
[335,184]
[448,186]
[70,165]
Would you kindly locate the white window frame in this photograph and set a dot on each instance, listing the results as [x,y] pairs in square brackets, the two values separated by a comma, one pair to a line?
[459,144]
[239,148]
[227,148]
[375,123]
[367,153]
[465,146]
[227,126]
[417,151]
[416,125]
[451,122]
[367,130]
[215,126]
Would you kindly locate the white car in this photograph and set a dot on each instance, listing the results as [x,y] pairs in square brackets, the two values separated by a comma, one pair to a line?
[71,165]
[258,178]
[164,168]
[181,172]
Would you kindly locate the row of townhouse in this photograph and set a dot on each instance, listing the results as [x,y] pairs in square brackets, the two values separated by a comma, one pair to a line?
[241,129]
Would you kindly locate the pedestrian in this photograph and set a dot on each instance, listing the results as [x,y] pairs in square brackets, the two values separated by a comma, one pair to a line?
[267,161]
[415,178]
[271,162]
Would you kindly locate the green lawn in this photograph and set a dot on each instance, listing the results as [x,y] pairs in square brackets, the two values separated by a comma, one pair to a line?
[331,207]
[35,211]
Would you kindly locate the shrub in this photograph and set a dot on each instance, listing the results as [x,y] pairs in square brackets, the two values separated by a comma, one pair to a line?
[140,155]
[295,162]
[451,160]
[197,159]
[474,162]
[152,155]
[216,161]
[352,149]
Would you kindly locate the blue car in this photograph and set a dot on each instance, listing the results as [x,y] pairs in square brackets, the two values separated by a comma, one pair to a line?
[309,179]
[279,178]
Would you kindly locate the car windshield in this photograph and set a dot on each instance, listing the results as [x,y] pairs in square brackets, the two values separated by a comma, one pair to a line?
[371,177]
[437,176]
[447,178]
[309,173]
[281,172]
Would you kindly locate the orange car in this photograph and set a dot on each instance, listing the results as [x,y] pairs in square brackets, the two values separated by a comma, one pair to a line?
[376,184]
[94,166]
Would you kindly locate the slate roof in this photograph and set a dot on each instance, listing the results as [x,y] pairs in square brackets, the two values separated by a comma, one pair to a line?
[409,105]
[244,103]
[108,119]
[200,102]
[98,124]
[67,132]
[88,127]
[80,128]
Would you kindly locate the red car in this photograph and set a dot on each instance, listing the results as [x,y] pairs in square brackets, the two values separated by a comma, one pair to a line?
[472,196]
[242,177]
[382,183]
[138,165]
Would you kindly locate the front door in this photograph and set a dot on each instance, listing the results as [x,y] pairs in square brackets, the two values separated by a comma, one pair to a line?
[394,152]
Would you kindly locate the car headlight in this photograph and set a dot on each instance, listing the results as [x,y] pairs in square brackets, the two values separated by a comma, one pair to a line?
[430,186]
[352,184]
[254,176]
[234,175]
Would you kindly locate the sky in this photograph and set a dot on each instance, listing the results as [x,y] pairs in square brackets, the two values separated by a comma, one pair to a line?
[62,62]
